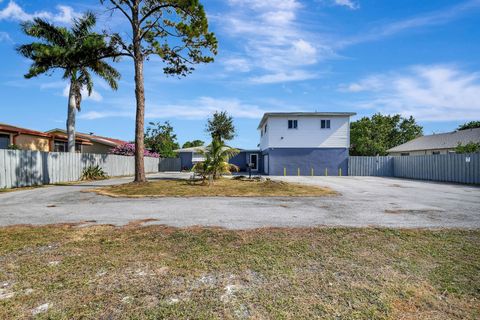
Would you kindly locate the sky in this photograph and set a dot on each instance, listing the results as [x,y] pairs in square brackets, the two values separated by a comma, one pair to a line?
[409,57]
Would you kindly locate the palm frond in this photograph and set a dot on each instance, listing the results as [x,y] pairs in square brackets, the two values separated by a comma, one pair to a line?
[46,31]
[82,27]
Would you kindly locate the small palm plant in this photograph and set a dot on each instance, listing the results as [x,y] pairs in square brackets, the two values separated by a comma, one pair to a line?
[216,163]
[77,52]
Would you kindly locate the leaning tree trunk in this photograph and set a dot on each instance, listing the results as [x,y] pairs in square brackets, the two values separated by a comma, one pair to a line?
[140,114]
[72,110]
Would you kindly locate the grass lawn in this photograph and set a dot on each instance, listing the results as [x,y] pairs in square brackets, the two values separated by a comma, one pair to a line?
[220,188]
[156,272]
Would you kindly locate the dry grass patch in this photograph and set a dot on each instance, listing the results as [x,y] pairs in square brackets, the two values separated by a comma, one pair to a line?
[220,188]
[156,272]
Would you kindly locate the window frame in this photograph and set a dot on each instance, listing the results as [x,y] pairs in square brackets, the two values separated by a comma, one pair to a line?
[294,123]
[325,124]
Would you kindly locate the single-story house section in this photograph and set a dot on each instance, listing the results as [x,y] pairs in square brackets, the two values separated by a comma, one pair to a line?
[27,139]
[295,143]
[97,144]
[441,143]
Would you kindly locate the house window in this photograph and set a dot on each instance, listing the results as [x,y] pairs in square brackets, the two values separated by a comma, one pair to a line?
[4,141]
[265,128]
[62,146]
[403,154]
[436,152]
[325,124]
[292,124]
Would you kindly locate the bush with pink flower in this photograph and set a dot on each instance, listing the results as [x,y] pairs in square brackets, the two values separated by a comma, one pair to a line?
[128,149]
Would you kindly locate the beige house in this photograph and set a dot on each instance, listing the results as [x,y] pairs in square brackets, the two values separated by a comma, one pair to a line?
[441,143]
[54,140]
[97,144]
[27,139]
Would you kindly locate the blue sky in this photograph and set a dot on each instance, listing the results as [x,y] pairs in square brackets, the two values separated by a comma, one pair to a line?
[419,58]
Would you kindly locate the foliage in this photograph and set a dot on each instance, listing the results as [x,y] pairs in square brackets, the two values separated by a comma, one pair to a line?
[176,31]
[78,52]
[374,136]
[469,125]
[128,149]
[94,173]
[13,147]
[216,163]
[160,139]
[471,147]
[192,144]
[220,126]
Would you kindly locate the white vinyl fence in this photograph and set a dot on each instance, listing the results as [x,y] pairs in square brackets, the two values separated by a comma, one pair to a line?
[460,168]
[19,168]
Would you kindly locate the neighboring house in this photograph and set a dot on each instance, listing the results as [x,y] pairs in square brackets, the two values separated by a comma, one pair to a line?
[441,143]
[97,144]
[293,143]
[27,139]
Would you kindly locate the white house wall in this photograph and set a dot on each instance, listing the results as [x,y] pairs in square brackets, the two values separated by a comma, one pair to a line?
[308,134]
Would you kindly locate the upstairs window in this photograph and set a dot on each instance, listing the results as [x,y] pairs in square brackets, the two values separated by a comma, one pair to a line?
[325,124]
[265,128]
[292,124]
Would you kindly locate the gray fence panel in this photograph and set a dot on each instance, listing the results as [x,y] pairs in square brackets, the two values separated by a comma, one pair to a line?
[459,168]
[19,168]
[370,166]
[170,164]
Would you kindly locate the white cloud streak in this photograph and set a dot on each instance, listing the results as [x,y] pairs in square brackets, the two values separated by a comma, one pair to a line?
[275,44]
[14,12]
[429,93]
[95,96]
[352,5]
[196,109]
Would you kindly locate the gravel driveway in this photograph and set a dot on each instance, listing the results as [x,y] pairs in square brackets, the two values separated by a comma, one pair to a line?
[363,201]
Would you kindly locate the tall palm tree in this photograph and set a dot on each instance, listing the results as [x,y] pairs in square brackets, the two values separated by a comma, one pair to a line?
[77,52]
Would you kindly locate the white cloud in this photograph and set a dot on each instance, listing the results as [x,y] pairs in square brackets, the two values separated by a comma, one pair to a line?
[200,108]
[433,18]
[296,75]
[14,12]
[237,65]
[429,93]
[275,42]
[347,3]
[95,96]
[5,37]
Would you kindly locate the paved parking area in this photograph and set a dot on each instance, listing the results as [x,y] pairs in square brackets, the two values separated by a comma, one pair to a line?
[362,201]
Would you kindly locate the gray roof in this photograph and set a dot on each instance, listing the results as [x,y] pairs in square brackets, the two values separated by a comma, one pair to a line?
[447,140]
[192,149]
[304,114]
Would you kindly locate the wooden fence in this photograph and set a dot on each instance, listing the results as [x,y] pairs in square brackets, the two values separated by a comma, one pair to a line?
[19,168]
[460,168]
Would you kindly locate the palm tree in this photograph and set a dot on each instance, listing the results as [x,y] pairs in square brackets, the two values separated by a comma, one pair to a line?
[77,52]
[216,163]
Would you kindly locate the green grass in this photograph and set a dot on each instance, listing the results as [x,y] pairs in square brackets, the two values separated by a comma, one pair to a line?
[157,272]
[219,188]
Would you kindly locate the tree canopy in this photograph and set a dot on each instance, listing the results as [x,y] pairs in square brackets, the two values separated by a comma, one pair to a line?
[192,144]
[161,139]
[374,136]
[77,52]
[220,126]
[176,31]
[469,125]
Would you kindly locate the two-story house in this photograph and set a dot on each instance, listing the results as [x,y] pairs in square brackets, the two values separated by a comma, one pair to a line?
[294,143]
[305,143]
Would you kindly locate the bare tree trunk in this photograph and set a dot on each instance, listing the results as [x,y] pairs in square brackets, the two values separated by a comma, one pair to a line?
[140,97]
[72,110]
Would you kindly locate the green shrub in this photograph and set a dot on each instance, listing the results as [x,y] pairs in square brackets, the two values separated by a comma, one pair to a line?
[94,173]
[13,147]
